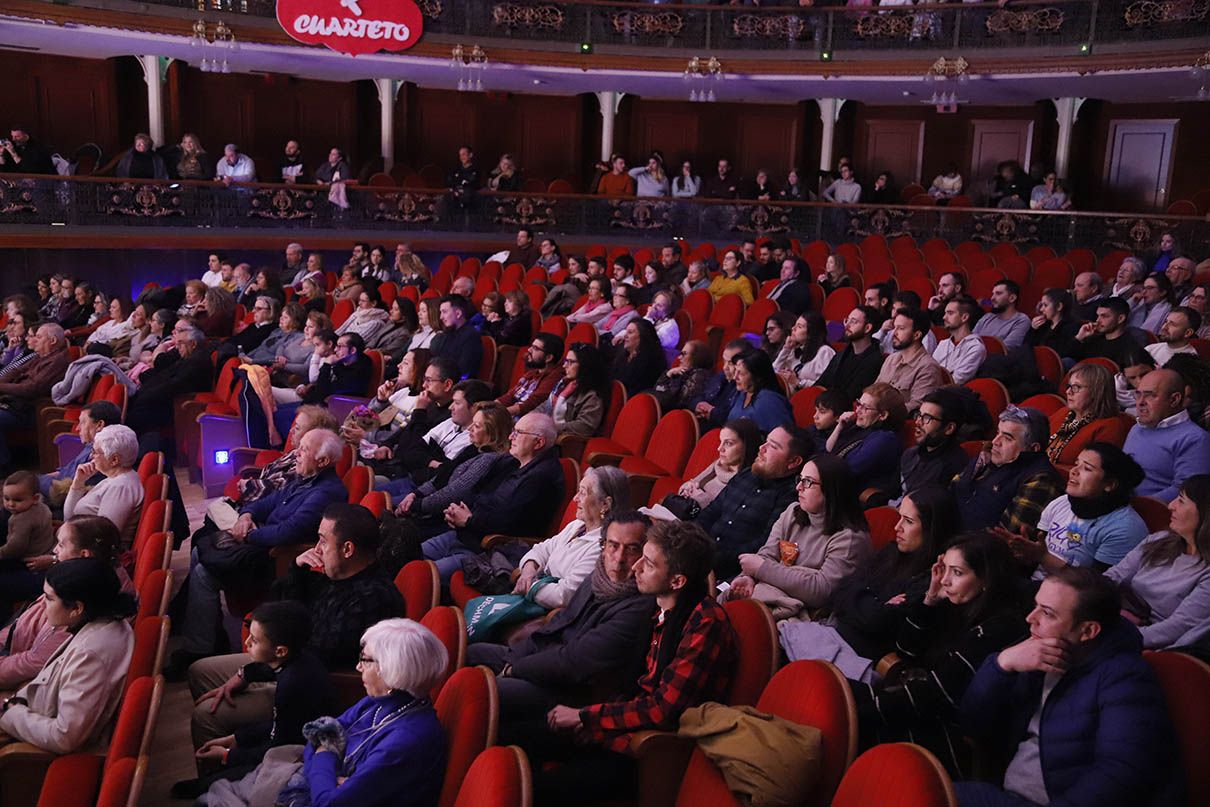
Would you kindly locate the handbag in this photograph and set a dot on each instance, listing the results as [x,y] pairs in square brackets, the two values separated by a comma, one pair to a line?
[683,507]
[228,559]
[484,615]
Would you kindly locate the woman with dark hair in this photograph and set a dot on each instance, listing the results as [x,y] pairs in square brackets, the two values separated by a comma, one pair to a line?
[116,333]
[77,303]
[265,282]
[1092,524]
[428,315]
[806,352]
[1168,248]
[69,703]
[738,442]
[731,280]
[883,191]
[367,319]
[216,315]
[777,331]
[549,257]
[684,384]
[1055,326]
[639,359]
[141,161]
[378,270]
[1151,303]
[867,438]
[349,285]
[513,325]
[579,400]
[759,394]
[1165,580]
[815,545]
[402,323]
[969,610]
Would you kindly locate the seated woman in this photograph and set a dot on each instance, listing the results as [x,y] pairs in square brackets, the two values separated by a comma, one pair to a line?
[731,280]
[378,270]
[394,401]
[738,442]
[395,751]
[1092,524]
[428,315]
[816,544]
[653,283]
[639,359]
[759,394]
[70,702]
[367,320]
[312,297]
[1165,580]
[867,438]
[112,336]
[402,323]
[777,331]
[509,322]
[578,402]
[157,340]
[457,479]
[349,287]
[119,496]
[596,305]
[31,640]
[611,326]
[833,275]
[806,352]
[663,306]
[684,384]
[1055,326]
[969,610]
[216,315]
[1091,415]
[570,556]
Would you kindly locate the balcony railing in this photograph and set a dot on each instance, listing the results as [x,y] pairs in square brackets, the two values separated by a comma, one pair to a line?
[835,30]
[35,202]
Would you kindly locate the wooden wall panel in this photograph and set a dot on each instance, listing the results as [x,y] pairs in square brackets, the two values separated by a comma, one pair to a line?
[893,145]
[66,102]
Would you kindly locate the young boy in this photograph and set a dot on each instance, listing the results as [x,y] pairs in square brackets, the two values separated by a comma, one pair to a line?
[29,522]
[278,633]
[829,406]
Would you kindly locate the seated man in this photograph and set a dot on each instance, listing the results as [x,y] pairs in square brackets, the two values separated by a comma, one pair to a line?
[1005,322]
[458,340]
[264,322]
[910,369]
[32,381]
[690,660]
[518,498]
[856,366]
[1009,484]
[721,393]
[594,645]
[185,368]
[394,456]
[1108,335]
[1170,447]
[742,516]
[1180,326]
[1076,705]
[542,371]
[241,556]
[938,456]
[93,417]
[346,373]
[963,353]
[348,594]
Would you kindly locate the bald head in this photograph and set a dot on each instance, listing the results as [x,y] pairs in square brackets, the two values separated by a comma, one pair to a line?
[1087,285]
[533,433]
[1161,394]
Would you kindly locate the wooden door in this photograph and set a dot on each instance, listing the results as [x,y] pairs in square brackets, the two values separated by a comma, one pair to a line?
[1138,163]
[992,142]
[893,145]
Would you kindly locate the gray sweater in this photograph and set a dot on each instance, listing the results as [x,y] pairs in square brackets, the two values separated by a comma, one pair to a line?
[1178,593]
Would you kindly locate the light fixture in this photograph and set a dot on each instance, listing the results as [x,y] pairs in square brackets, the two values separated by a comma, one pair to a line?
[939,76]
[702,76]
[825,56]
[1085,49]
[215,48]
[469,65]
[222,457]
[585,47]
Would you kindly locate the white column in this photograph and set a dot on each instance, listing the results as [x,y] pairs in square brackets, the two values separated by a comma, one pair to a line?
[609,100]
[388,88]
[1068,112]
[829,113]
[154,69]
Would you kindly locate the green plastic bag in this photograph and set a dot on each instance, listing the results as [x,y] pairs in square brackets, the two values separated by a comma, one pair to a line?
[485,615]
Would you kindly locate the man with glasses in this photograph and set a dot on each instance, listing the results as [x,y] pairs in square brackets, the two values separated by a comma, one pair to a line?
[542,372]
[264,322]
[1165,441]
[432,409]
[938,456]
[518,497]
[346,372]
[186,368]
[855,368]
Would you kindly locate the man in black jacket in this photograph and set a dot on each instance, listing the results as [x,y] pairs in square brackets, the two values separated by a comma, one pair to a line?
[857,366]
[347,373]
[391,458]
[458,340]
[792,292]
[592,649]
[518,497]
[185,368]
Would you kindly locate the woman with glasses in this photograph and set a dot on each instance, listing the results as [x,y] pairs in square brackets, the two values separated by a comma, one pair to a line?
[578,402]
[806,352]
[815,545]
[684,384]
[867,438]
[1091,415]
[1151,303]
[595,306]
[759,394]
[612,325]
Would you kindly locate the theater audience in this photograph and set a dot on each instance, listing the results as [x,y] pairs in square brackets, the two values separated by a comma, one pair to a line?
[579,399]
[792,292]
[638,358]
[858,364]
[731,281]
[1166,250]
[805,355]
[938,455]
[394,339]
[119,496]
[29,534]
[93,417]
[1165,442]
[31,382]
[367,319]
[312,298]
[428,314]
[514,325]
[1086,291]
[284,470]
[542,373]
[963,353]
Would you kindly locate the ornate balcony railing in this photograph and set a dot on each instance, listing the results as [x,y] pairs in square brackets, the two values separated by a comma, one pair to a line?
[33,202]
[833,29]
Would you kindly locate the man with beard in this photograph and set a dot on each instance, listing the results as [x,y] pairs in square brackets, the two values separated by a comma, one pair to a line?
[949,286]
[670,260]
[542,372]
[295,268]
[910,369]
[742,515]
[878,297]
[902,301]
[1005,323]
[594,645]
[1180,326]
[792,292]
[855,368]
[937,456]
[963,353]
[1108,335]
[293,169]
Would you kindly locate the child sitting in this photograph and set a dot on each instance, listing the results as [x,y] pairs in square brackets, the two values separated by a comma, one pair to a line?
[829,406]
[29,534]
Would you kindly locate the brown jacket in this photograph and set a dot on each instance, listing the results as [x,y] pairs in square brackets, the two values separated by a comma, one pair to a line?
[34,380]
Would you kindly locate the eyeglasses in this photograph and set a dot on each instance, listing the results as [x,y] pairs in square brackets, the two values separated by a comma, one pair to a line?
[570,360]
[925,419]
[1077,387]
[861,407]
[806,483]
[527,434]
[260,308]
[431,380]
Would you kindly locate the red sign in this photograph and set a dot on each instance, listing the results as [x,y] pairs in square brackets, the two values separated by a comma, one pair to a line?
[352,26]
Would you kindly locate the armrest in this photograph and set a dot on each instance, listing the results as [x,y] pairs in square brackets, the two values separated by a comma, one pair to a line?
[641,486]
[571,447]
[662,757]
[23,768]
[243,457]
[887,664]
[341,405]
[599,458]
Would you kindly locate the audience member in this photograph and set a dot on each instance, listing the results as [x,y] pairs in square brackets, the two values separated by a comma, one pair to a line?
[805,355]
[393,340]
[119,496]
[721,394]
[1166,250]
[856,366]
[596,305]
[777,329]
[457,340]
[1005,322]
[1151,304]
[938,456]
[845,190]
[614,179]
[1055,326]
[720,185]
[30,382]
[1091,415]
[737,445]
[639,358]
[684,385]
[1087,290]
[946,185]
[579,398]
[867,438]
[93,417]
[792,292]
[963,353]
[731,281]
[1180,326]
[910,369]
[1165,442]
[759,394]
[235,166]
[834,275]
[1108,336]
[949,286]
[542,373]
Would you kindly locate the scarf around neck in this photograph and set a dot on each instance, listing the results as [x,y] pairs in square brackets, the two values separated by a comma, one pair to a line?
[605,589]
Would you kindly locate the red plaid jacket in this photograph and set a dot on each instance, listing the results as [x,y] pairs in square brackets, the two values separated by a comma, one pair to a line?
[701,671]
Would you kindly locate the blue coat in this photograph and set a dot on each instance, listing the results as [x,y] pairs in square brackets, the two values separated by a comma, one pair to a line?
[401,765]
[1105,737]
[768,410]
[292,514]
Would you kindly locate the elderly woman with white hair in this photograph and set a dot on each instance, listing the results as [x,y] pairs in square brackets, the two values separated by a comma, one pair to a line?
[387,749]
[119,496]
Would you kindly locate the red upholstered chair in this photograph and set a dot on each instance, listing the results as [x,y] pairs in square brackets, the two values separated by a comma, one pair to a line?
[154,592]
[1053,273]
[838,304]
[152,463]
[469,710]
[993,393]
[666,453]
[896,775]
[759,651]
[1039,254]
[803,405]
[704,453]
[122,783]
[1045,403]
[73,781]
[1186,684]
[699,304]
[449,625]
[342,310]
[358,480]
[156,517]
[630,434]
[756,314]
[150,639]
[499,777]
[420,586]
[1049,364]
[1155,514]
[487,364]
[584,332]
[813,693]
[882,521]
[994,346]
[155,488]
[136,719]
[377,502]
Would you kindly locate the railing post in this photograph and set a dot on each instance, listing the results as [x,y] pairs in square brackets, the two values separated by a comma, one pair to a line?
[828,34]
[608,100]
[387,89]
[154,68]
[1092,23]
[957,28]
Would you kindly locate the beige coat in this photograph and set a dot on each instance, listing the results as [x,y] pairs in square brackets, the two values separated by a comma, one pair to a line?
[74,697]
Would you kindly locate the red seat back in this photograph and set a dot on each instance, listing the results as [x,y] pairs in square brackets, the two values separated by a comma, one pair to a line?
[1155,513]
[420,585]
[154,518]
[468,709]
[582,332]
[617,400]
[118,784]
[673,441]
[152,463]
[1186,684]
[376,502]
[1049,364]
[150,636]
[803,405]
[149,557]
[756,315]
[759,651]
[882,521]
[448,624]
[358,481]
[993,393]
[839,303]
[636,423]
[704,453]
[500,776]
[135,717]
[896,775]
[728,312]
[1046,403]
[341,311]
